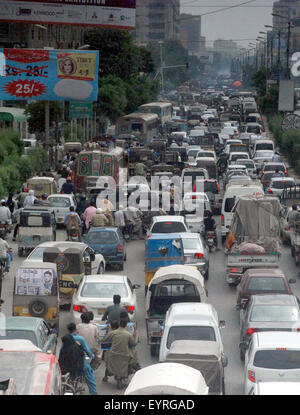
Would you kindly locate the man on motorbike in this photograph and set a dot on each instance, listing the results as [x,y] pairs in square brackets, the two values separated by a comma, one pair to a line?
[120,219]
[87,370]
[134,216]
[4,255]
[119,358]
[99,219]
[113,312]
[72,222]
[210,225]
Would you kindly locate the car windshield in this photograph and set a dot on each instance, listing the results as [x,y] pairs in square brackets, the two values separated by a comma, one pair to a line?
[103,290]
[59,201]
[266,284]
[168,227]
[276,313]
[277,359]
[18,334]
[37,254]
[102,237]
[191,243]
[190,333]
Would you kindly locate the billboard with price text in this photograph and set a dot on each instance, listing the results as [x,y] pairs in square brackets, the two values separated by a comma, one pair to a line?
[52,75]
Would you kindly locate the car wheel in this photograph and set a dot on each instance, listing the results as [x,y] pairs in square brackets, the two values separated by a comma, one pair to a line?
[20,252]
[206,275]
[125,256]
[37,308]
[292,251]
[121,266]
[242,355]
[101,269]
[223,239]
[223,386]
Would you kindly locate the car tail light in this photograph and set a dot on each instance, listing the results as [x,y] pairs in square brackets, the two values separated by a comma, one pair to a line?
[251,331]
[287,229]
[120,248]
[222,220]
[263,172]
[285,171]
[130,308]
[80,308]
[270,191]
[234,270]
[198,255]
[244,301]
[251,375]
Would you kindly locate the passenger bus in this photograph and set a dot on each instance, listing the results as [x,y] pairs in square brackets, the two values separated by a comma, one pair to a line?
[91,164]
[164,110]
[143,126]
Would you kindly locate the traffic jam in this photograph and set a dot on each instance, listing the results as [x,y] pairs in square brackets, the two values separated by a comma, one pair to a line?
[159,258]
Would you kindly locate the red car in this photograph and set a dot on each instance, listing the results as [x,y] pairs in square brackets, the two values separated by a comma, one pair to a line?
[263,281]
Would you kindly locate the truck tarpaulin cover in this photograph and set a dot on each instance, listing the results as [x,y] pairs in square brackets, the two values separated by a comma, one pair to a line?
[256,221]
[101,13]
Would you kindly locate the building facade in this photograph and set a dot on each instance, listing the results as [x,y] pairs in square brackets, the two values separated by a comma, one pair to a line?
[190,34]
[289,9]
[156,20]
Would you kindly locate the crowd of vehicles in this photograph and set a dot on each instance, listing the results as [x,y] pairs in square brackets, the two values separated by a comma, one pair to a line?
[213,142]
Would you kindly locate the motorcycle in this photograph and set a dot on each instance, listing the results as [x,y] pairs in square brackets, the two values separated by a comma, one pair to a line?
[211,241]
[74,234]
[4,230]
[128,231]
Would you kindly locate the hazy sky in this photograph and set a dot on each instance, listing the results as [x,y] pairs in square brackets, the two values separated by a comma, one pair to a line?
[244,22]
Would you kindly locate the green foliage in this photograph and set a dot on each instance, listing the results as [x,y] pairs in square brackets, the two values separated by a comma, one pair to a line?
[75,134]
[138,91]
[38,158]
[36,113]
[275,121]
[112,97]
[268,103]
[259,80]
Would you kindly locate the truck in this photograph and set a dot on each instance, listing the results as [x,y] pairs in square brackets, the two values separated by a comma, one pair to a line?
[253,243]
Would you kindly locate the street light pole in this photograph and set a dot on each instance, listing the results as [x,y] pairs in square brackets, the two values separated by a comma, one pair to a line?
[288,73]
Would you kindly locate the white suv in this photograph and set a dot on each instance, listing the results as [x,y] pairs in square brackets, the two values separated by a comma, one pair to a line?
[271,357]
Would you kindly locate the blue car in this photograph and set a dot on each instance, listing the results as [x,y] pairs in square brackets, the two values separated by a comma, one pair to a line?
[109,242]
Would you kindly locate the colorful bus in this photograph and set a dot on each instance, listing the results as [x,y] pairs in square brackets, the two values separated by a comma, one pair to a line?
[91,164]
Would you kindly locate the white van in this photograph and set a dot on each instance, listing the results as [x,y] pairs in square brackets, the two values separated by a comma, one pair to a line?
[263,145]
[230,197]
[190,321]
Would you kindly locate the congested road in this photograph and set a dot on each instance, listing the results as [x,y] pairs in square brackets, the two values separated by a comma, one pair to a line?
[220,295]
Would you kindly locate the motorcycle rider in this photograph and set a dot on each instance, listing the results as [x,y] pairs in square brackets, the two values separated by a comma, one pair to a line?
[134,216]
[29,199]
[68,188]
[72,221]
[210,225]
[294,216]
[113,312]
[4,255]
[120,219]
[99,219]
[5,214]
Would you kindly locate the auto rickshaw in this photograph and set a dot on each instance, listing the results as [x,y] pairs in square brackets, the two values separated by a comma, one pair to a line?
[169,285]
[37,225]
[205,356]
[42,185]
[73,260]
[36,292]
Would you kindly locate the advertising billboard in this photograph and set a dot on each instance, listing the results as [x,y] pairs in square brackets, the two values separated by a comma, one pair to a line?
[52,75]
[102,13]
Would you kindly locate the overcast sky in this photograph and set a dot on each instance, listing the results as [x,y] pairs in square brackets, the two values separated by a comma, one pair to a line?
[244,22]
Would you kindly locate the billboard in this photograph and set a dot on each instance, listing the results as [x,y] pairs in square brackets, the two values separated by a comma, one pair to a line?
[102,13]
[52,75]
[286,96]
[81,110]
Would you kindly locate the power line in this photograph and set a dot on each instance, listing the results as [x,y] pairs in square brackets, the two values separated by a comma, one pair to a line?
[224,9]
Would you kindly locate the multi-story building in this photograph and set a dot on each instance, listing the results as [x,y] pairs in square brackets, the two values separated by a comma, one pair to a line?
[289,9]
[157,20]
[190,34]
[38,36]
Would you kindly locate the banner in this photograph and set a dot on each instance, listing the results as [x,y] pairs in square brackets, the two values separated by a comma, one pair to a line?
[53,75]
[36,281]
[81,110]
[100,13]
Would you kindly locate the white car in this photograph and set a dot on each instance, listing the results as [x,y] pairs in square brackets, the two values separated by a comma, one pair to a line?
[190,321]
[61,204]
[275,388]
[262,156]
[206,153]
[98,266]
[168,224]
[250,166]
[278,184]
[95,293]
[272,356]
[235,155]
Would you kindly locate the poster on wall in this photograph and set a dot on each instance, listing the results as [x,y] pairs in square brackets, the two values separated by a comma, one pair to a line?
[119,14]
[53,75]
[36,281]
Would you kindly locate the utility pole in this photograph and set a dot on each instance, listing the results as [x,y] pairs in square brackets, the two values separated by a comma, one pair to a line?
[288,73]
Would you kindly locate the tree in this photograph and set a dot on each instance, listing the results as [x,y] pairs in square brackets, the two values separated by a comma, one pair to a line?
[112,99]
[36,113]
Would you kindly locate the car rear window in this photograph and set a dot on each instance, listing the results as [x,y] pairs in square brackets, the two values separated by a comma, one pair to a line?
[235,157]
[102,237]
[59,201]
[266,284]
[191,243]
[264,146]
[229,203]
[247,163]
[168,227]
[277,313]
[103,290]
[277,359]
[190,333]
[211,187]
[18,334]
[274,167]
[278,184]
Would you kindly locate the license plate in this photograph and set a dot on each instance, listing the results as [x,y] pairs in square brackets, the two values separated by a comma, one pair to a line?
[67,284]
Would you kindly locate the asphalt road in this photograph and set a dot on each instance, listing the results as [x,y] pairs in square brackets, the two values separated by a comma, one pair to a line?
[220,295]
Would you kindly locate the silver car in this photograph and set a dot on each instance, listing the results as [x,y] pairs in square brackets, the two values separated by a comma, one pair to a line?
[272,312]
[278,184]
[195,252]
